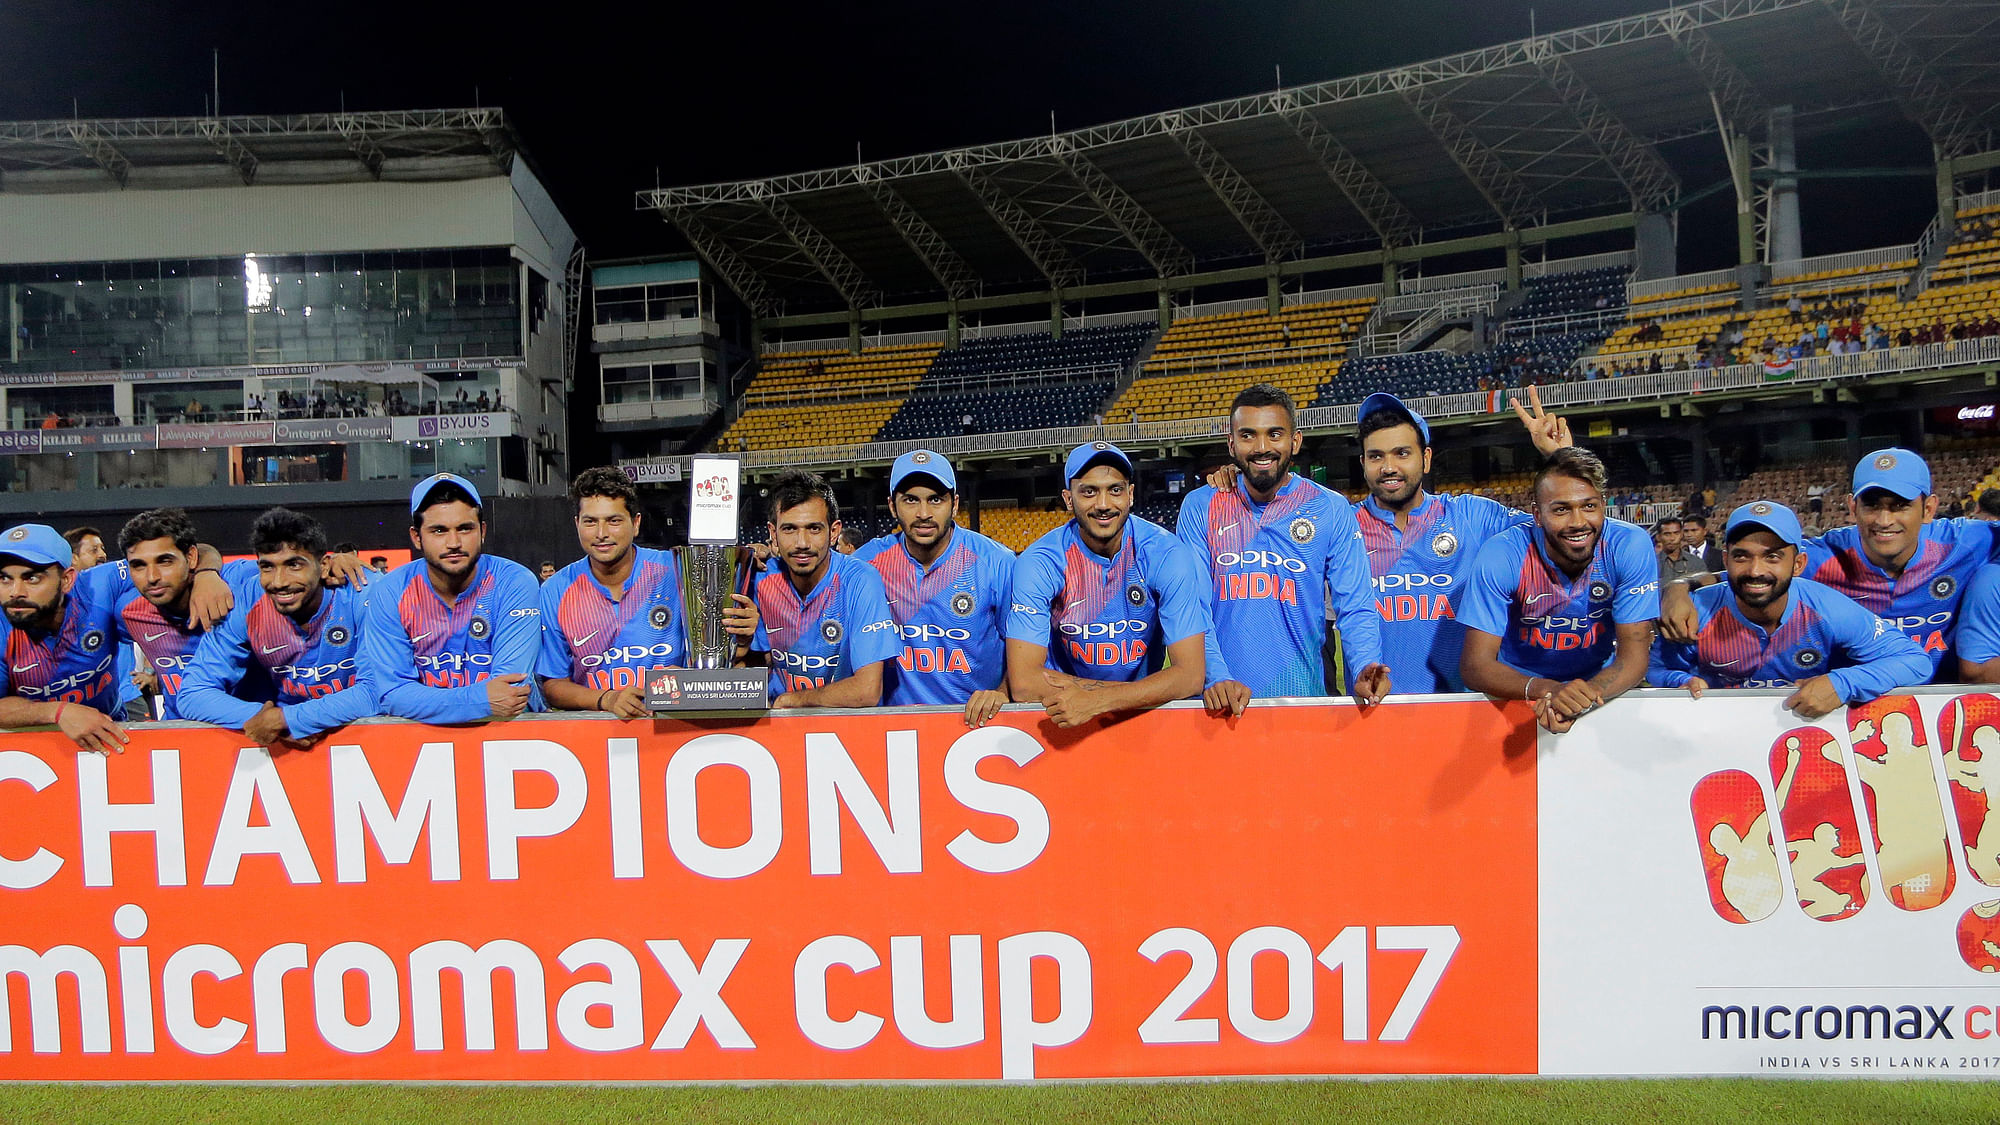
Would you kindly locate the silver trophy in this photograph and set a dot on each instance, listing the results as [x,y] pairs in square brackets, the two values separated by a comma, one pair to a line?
[709,574]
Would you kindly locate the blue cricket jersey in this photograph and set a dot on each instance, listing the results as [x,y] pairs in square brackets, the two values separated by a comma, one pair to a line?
[76,662]
[1979,618]
[1548,625]
[1108,619]
[1419,577]
[313,667]
[425,659]
[608,643]
[1271,568]
[1924,600]
[950,614]
[841,625]
[1821,632]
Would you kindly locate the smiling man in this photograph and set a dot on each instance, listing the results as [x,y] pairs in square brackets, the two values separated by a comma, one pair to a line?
[1276,548]
[948,588]
[613,615]
[821,621]
[299,637]
[1561,613]
[1768,627]
[1898,560]
[1110,612]
[59,666]
[452,635]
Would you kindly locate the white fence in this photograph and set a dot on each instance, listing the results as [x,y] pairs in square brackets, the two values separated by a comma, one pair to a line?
[1880,257]
[1641,290]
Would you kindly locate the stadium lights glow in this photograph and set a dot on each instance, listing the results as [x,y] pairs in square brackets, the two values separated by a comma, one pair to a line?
[257,285]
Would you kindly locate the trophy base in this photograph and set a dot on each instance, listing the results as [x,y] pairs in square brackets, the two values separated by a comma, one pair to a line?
[681,690]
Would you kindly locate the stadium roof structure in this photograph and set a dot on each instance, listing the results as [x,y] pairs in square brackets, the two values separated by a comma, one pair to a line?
[1564,124]
[98,153]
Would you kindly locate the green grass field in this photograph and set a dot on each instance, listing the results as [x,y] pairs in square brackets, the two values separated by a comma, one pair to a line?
[1735,1101]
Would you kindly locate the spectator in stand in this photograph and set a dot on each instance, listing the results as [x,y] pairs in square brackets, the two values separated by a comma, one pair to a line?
[1694,535]
[1816,500]
[1987,507]
[1796,308]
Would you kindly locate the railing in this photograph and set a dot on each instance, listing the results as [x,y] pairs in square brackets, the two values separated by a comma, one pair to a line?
[1975,200]
[1324,296]
[1851,260]
[1494,277]
[1158,367]
[1598,392]
[1592,321]
[1638,291]
[1402,303]
[1434,309]
[1620,258]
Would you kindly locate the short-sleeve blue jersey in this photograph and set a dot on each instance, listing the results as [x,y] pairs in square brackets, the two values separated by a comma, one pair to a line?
[76,662]
[313,667]
[1108,619]
[166,644]
[1821,632]
[1420,576]
[950,615]
[1548,625]
[608,643]
[1979,617]
[1271,568]
[841,625]
[427,659]
[1924,600]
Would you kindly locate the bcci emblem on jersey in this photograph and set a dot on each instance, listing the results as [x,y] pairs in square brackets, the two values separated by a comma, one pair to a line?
[830,630]
[1807,658]
[1303,531]
[1444,544]
[961,604]
[1600,591]
[1943,587]
[478,629]
[658,616]
[93,640]
[337,635]
[1136,594]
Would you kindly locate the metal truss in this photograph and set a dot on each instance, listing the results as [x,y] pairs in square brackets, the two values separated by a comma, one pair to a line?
[232,150]
[1396,81]
[1509,196]
[102,151]
[365,149]
[1392,222]
[1162,251]
[1652,183]
[573,278]
[1741,104]
[1922,97]
[740,276]
[1268,229]
[957,278]
[839,270]
[1041,248]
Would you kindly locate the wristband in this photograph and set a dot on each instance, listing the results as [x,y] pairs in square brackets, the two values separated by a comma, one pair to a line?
[205,570]
[600,699]
[60,704]
[1528,689]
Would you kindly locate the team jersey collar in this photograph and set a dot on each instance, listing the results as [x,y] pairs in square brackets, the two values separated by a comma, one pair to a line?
[1557,574]
[1430,508]
[1784,619]
[479,569]
[1127,543]
[834,560]
[631,577]
[945,552]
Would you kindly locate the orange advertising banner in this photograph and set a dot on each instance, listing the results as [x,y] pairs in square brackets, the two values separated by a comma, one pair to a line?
[1303,890]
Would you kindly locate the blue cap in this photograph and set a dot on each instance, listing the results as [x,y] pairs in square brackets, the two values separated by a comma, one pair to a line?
[1768,515]
[921,462]
[1894,470]
[424,487]
[36,544]
[1383,400]
[1080,458]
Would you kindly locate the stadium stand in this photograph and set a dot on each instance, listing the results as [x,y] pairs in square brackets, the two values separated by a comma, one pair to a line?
[1975,247]
[857,393]
[1576,291]
[1236,337]
[1014,526]
[1207,393]
[1540,359]
[1066,381]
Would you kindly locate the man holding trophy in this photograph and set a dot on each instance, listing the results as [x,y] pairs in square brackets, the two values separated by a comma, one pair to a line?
[613,616]
[822,623]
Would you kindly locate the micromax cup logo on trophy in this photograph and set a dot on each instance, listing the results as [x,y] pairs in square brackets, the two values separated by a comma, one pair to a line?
[712,568]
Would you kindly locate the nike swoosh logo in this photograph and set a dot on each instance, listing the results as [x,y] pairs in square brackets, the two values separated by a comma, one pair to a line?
[269,651]
[1725,663]
[1075,603]
[581,641]
[1536,598]
[29,667]
[155,636]
[415,637]
[1231,527]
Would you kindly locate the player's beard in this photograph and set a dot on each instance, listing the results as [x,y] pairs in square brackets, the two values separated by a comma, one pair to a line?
[1265,478]
[1764,599]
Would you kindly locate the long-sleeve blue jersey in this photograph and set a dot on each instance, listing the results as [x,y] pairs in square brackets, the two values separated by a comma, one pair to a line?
[1548,625]
[608,643]
[1821,632]
[313,666]
[1923,601]
[950,613]
[840,626]
[425,659]
[1271,568]
[1108,619]
[1419,576]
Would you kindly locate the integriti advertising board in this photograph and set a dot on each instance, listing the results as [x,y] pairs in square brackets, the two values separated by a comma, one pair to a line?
[1302,890]
[1725,890]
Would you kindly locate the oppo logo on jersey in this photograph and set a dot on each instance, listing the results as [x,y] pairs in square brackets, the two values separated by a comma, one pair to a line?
[455,660]
[805,663]
[1388,582]
[934,657]
[1583,622]
[1261,558]
[304,674]
[1538,637]
[626,653]
[73,688]
[1102,628]
[1915,627]
[934,633]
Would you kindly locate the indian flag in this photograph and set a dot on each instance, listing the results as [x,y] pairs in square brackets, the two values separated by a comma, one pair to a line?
[1780,368]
